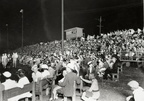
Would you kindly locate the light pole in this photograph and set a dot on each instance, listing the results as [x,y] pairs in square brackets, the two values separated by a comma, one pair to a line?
[62,26]
[21,11]
[7,37]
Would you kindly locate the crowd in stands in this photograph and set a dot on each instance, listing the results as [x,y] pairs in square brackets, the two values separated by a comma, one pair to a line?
[98,55]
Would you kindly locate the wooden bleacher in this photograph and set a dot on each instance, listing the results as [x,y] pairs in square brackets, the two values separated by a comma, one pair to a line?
[6,94]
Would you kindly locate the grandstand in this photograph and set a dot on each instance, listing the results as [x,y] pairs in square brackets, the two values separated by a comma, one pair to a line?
[125,46]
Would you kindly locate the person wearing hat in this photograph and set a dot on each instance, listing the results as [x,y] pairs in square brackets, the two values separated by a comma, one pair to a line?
[67,85]
[90,69]
[54,91]
[138,92]
[92,93]
[44,70]
[36,75]
[9,83]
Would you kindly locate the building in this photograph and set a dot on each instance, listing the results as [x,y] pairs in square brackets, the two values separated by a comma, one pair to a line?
[74,33]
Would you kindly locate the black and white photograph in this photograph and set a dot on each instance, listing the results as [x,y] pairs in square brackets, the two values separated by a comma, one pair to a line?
[71,50]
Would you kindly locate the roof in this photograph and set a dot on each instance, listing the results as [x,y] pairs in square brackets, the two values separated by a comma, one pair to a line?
[73,29]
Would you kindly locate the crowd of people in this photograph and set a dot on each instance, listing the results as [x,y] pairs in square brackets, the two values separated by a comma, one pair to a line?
[83,59]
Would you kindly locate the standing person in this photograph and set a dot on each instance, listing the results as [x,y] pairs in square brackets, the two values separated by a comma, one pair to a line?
[14,57]
[92,93]
[138,92]
[4,60]
[91,68]
[36,76]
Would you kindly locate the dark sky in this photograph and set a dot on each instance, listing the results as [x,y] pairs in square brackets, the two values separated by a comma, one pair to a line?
[42,18]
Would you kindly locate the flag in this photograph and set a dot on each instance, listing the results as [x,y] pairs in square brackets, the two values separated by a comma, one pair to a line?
[21,10]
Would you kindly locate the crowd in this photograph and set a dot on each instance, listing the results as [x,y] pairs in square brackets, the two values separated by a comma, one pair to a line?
[83,59]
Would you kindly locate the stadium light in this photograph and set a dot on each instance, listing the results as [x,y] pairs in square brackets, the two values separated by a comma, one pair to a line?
[21,11]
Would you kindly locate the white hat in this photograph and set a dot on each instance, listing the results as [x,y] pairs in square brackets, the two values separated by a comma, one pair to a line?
[7,74]
[71,66]
[44,66]
[133,84]
[34,66]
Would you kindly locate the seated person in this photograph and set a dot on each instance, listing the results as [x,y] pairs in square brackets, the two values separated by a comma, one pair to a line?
[68,84]
[45,73]
[92,93]
[138,92]
[9,83]
[23,80]
[57,86]
[36,75]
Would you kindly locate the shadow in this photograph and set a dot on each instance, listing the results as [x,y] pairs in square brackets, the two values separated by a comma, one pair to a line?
[142,69]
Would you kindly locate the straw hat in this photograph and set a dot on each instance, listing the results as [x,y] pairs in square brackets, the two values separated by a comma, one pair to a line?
[133,84]
[7,74]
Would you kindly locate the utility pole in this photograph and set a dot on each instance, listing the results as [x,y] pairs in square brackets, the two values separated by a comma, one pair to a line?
[100,26]
[7,37]
[0,37]
[62,25]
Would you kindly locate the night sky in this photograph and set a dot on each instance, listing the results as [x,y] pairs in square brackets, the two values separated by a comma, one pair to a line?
[42,18]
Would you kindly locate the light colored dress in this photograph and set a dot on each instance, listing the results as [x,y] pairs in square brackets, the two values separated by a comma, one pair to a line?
[95,92]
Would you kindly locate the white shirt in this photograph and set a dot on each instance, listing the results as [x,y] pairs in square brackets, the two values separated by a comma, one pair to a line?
[8,84]
[139,94]
[23,81]
[15,56]
[4,58]
[45,73]
[44,66]
[36,76]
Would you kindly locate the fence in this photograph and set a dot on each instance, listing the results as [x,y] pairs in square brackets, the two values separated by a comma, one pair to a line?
[128,56]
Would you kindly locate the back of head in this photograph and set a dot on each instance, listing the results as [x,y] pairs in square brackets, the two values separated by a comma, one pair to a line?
[20,73]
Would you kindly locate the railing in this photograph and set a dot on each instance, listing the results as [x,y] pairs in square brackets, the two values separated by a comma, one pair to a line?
[128,56]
